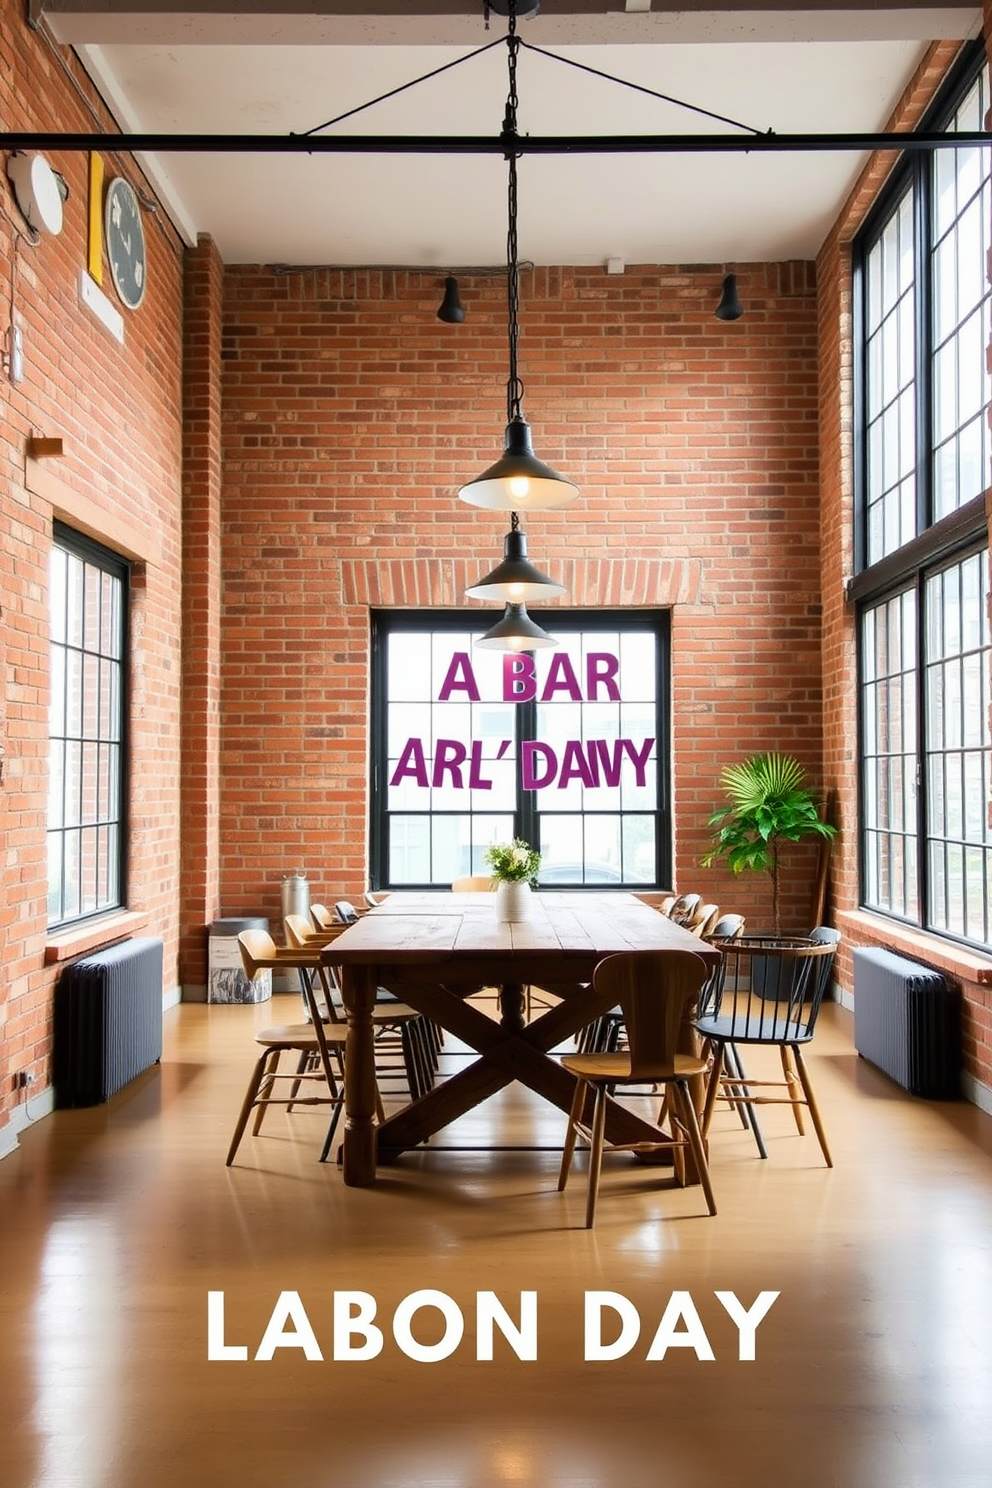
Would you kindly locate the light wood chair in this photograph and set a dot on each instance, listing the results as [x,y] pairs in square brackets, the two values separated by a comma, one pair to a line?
[319,1048]
[322,917]
[684,907]
[702,918]
[654,990]
[397,1027]
[725,927]
[473,883]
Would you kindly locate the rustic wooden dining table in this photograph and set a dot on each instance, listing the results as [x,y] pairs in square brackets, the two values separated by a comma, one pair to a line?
[432,950]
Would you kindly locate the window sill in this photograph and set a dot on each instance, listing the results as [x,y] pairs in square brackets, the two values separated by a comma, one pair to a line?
[92,935]
[957,961]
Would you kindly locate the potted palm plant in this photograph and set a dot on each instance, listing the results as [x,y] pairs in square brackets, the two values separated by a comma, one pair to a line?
[769,806]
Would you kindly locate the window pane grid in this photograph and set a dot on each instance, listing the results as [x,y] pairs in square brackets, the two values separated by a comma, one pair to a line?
[890,384]
[926,453]
[959,750]
[85,733]
[550,750]
[889,750]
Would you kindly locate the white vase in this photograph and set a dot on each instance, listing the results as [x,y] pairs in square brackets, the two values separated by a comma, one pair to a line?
[512,903]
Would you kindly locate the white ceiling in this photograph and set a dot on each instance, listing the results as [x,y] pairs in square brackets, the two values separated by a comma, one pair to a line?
[808,70]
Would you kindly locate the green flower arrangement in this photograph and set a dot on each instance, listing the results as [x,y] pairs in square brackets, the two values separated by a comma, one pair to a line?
[513,862]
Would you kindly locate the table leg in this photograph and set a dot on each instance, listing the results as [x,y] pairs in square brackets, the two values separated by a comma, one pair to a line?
[358,991]
[512,1006]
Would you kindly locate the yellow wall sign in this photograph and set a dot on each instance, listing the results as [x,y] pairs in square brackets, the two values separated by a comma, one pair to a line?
[94,247]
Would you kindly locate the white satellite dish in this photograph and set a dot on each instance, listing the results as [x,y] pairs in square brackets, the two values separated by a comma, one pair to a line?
[37,189]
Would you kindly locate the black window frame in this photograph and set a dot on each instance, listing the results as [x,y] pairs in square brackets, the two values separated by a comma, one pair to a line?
[526,816]
[89,551]
[937,544]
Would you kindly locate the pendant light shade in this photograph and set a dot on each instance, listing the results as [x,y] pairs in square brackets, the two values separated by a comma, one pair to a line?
[516,632]
[515,579]
[450,309]
[519,481]
[730,307]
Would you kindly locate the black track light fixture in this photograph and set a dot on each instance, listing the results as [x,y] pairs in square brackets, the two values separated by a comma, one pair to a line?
[730,307]
[450,309]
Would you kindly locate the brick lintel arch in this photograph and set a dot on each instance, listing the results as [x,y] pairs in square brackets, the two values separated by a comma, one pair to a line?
[440,583]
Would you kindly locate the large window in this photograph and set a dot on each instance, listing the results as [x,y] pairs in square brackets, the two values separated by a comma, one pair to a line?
[565,747]
[88,593]
[925,651]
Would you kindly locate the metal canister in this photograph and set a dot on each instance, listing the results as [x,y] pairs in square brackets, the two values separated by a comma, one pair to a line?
[295,895]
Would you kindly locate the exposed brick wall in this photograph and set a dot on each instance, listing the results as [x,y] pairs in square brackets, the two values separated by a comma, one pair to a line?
[327,427]
[118,410]
[351,415]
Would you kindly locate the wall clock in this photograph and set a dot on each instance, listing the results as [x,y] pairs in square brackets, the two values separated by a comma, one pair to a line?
[125,238]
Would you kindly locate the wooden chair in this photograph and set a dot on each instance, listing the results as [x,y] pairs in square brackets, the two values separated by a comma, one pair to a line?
[654,990]
[683,907]
[702,918]
[322,917]
[768,991]
[397,1027]
[725,927]
[319,1048]
[473,883]
[665,905]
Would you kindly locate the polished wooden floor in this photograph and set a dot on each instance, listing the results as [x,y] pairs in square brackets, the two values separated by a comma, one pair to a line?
[872,1368]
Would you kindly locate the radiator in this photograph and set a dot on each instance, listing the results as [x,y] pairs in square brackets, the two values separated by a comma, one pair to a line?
[907,1021]
[108,1021]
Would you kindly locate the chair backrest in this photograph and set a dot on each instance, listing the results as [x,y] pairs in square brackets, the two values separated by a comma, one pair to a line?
[665,905]
[683,907]
[298,929]
[372,901]
[701,918]
[346,912]
[472,883]
[726,927]
[322,917]
[824,935]
[770,988]
[258,951]
[654,989]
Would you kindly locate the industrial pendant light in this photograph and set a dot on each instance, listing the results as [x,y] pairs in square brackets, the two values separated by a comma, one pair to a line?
[518,481]
[516,632]
[450,309]
[515,579]
[730,307]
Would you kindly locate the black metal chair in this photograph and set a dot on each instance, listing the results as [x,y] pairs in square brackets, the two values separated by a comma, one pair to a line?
[767,991]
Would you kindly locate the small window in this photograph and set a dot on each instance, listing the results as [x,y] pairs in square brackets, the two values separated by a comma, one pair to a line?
[88,607]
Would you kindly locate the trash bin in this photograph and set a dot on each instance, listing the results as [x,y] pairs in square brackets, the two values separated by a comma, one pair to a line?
[226,981]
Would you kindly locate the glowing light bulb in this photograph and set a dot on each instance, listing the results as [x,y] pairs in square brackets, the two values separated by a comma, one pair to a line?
[519,486]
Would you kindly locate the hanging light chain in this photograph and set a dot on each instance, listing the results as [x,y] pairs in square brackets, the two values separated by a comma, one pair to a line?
[514,387]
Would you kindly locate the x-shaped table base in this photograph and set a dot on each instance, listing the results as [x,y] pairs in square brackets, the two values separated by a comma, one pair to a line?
[509,1050]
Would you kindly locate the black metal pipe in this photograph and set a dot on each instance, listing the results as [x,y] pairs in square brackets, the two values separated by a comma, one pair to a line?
[520,145]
